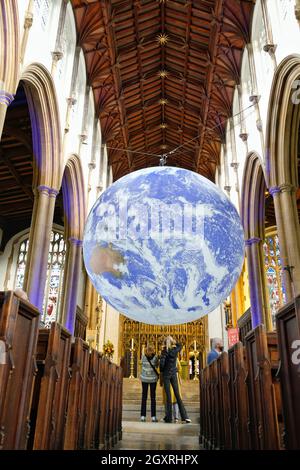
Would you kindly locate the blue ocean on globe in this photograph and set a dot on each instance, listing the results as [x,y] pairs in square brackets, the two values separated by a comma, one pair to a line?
[163,245]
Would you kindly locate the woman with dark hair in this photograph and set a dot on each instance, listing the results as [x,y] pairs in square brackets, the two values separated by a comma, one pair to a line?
[149,377]
[168,367]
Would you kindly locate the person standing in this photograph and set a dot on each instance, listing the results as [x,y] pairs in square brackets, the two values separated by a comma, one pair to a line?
[149,377]
[168,367]
[216,350]
[175,408]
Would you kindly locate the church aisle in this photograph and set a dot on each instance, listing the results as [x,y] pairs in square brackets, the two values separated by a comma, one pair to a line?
[158,436]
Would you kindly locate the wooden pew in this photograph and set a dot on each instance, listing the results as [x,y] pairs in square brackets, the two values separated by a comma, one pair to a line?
[238,391]
[19,322]
[120,403]
[263,424]
[214,406]
[103,403]
[51,389]
[202,406]
[208,436]
[92,403]
[108,406]
[223,372]
[273,349]
[111,403]
[115,407]
[288,329]
[76,409]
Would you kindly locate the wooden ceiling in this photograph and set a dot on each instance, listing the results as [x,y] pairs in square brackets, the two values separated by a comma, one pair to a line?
[16,171]
[163,74]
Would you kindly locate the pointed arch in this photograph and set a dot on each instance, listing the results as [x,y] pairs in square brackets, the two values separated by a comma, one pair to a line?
[46,135]
[253,198]
[74,198]
[9,46]
[283,124]
[253,218]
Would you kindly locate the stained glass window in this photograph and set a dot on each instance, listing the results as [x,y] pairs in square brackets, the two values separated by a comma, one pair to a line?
[55,273]
[21,264]
[273,270]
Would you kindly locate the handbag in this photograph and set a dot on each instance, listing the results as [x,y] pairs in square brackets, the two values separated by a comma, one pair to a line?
[149,360]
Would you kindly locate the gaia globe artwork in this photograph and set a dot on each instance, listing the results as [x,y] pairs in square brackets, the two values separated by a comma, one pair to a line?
[163,245]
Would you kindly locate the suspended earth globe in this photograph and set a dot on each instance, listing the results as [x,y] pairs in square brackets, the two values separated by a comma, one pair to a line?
[163,245]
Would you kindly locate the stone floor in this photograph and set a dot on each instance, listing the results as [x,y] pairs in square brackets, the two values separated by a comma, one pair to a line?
[158,436]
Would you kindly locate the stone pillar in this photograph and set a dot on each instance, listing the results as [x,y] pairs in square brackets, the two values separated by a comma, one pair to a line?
[39,240]
[269,47]
[253,246]
[5,100]
[71,278]
[292,230]
[28,21]
[280,221]
[57,54]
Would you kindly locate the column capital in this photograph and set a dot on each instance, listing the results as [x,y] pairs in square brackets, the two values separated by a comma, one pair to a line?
[287,188]
[243,136]
[51,192]
[274,190]
[57,55]
[92,165]
[75,241]
[6,98]
[234,165]
[28,21]
[252,241]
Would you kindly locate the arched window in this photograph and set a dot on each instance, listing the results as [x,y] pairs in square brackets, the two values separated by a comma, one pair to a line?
[273,270]
[21,263]
[55,274]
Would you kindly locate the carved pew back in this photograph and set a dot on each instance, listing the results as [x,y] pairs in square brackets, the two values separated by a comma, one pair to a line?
[262,401]
[288,328]
[19,321]
[76,409]
[51,388]
[239,409]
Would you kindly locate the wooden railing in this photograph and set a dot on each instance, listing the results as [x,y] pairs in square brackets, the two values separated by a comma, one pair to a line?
[53,394]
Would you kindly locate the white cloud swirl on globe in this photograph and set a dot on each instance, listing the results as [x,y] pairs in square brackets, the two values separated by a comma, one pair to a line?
[160,277]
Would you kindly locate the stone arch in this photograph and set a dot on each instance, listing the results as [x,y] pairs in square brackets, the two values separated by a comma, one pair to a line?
[47,155]
[253,217]
[74,198]
[75,214]
[252,207]
[9,47]
[282,165]
[282,124]
[9,55]
[45,121]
